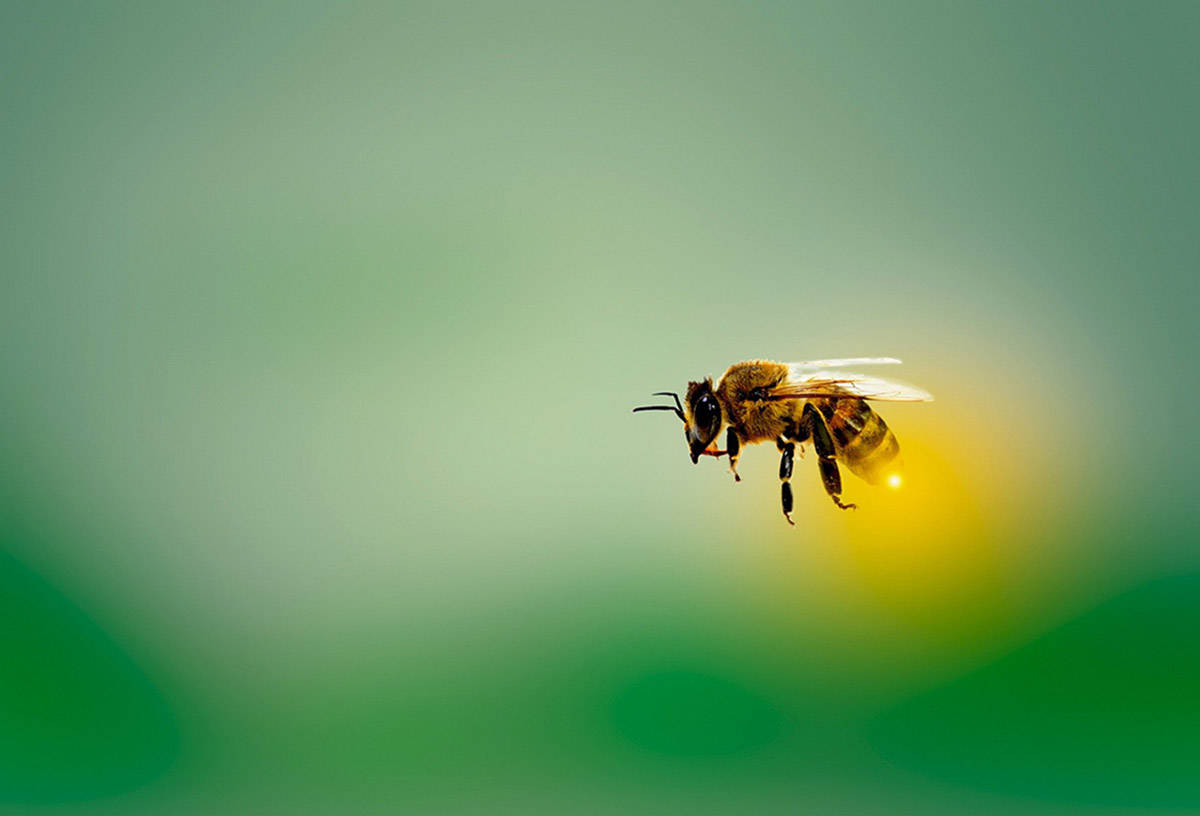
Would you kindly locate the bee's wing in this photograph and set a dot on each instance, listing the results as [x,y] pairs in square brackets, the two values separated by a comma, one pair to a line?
[801,383]
[815,365]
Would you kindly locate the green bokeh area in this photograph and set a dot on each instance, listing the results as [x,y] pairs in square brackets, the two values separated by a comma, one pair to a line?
[691,713]
[1103,709]
[319,330]
[80,719]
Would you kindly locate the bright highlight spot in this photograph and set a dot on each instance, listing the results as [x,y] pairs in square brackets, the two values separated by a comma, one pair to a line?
[894,481]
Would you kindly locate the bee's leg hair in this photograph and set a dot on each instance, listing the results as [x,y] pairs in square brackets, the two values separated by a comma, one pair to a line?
[785,474]
[826,456]
[733,446]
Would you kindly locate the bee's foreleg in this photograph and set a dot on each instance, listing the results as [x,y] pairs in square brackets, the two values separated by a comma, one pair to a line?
[831,477]
[785,475]
[733,448]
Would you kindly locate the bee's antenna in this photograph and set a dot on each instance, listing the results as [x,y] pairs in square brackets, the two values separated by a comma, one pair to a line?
[676,411]
[669,394]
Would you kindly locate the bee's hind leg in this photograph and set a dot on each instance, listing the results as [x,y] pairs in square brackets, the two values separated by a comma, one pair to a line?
[831,477]
[733,448]
[785,474]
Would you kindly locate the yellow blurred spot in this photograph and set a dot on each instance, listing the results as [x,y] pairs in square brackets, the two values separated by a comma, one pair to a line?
[921,552]
[936,552]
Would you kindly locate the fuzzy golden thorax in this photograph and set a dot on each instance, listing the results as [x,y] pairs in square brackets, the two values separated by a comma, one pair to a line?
[742,392]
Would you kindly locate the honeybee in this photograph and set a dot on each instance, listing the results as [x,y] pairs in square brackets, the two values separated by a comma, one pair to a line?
[792,403]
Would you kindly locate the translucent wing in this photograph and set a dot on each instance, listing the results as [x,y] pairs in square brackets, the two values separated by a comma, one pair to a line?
[814,365]
[804,383]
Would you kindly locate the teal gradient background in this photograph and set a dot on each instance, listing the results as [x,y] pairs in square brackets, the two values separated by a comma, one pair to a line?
[319,490]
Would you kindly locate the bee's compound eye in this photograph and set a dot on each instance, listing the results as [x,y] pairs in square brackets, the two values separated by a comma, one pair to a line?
[708,416]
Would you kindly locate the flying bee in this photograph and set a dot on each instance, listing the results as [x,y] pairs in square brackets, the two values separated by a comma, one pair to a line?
[793,403]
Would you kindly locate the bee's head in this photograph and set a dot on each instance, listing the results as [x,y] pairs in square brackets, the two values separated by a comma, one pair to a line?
[702,417]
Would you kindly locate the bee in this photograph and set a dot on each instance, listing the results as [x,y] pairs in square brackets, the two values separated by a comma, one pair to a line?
[793,403]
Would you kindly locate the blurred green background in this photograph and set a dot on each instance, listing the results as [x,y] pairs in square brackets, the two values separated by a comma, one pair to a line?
[319,490]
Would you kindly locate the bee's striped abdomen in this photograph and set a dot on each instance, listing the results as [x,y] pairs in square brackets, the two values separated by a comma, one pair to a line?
[863,440]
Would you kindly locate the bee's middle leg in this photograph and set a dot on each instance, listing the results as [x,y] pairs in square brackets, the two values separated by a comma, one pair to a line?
[785,474]
[733,448]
